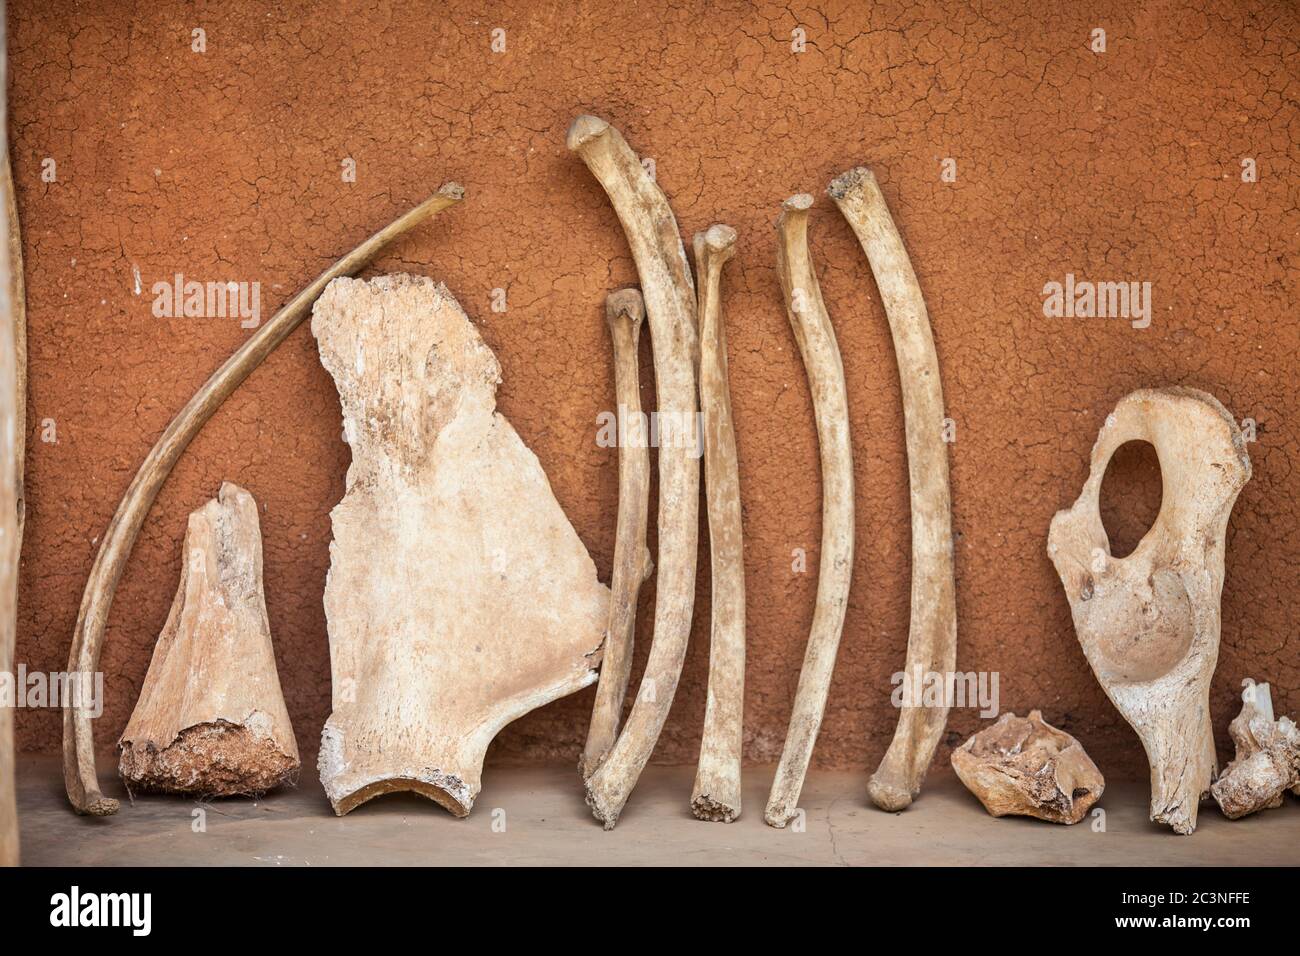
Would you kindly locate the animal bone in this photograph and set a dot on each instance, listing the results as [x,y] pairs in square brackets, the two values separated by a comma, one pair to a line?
[932,637]
[821,358]
[1026,767]
[79,775]
[18,313]
[211,718]
[716,795]
[1267,762]
[1149,623]
[656,246]
[13,429]
[459,597]
[624,312]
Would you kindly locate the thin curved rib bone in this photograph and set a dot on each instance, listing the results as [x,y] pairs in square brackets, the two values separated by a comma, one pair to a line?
[624,312]
[932,637]
[656,245]
[716,795]
[13,363]
[79,774]
[18,312]
[821,358]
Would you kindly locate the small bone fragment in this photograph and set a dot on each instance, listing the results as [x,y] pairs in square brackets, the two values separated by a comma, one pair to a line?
[821,358]
[211,719]
[79,774]
[1149,623]
[716,795]
[1026,767]
[12,432]
[459,597]
[1267,762]
[656,245]
[624,312]
[932,637]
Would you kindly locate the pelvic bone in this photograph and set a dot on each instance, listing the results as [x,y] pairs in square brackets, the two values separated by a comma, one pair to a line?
[1149,623]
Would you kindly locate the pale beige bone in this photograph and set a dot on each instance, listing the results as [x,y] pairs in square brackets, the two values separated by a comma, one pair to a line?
[79,773]
[12,434]
[459,597]
[821,358]
[1267,762]
[716,794]
[1023,766]
[624,313]
[669,292]
[1149,623]
[18,313]
[211,719]
[932,636]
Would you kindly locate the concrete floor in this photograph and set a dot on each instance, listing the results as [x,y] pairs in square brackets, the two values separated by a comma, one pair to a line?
[535,815]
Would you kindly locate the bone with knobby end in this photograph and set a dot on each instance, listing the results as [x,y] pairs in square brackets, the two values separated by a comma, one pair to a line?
[79,774]
[669,292]
[1149,623]
[624,313]
[13,377]
[821,358]
[1267,759]
[932,635]
[211,718]
[716,794]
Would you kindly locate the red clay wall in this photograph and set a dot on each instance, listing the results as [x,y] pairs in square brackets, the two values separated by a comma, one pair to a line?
[226,165]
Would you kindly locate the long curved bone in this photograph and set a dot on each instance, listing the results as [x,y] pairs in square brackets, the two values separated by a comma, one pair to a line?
[932,636]
[13,430]
[669,293]
[79,774]
[716,795]
[1149,623]
[821,358]
[18,311]
[624,312]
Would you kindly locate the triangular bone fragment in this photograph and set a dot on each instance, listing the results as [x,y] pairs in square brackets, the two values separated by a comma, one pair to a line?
[211,718]
[459,597]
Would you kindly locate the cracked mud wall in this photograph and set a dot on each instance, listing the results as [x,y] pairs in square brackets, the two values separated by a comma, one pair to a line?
[225,165]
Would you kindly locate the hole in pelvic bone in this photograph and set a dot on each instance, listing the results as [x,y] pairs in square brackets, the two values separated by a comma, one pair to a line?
[1130,496]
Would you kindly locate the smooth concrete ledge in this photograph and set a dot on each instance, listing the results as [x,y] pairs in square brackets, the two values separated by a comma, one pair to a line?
[536,816]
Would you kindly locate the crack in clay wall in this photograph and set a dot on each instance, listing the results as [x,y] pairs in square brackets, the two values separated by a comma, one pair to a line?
[226,165]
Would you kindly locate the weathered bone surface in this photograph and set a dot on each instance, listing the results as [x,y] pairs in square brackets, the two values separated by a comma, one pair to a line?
[211,718]
[1023,766]
[669,292]
[12,431]
[1267,763]
[624,312]
[821,358]
[932,636]
[716,794]
[459,597]
[79,774]
[1149,623]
